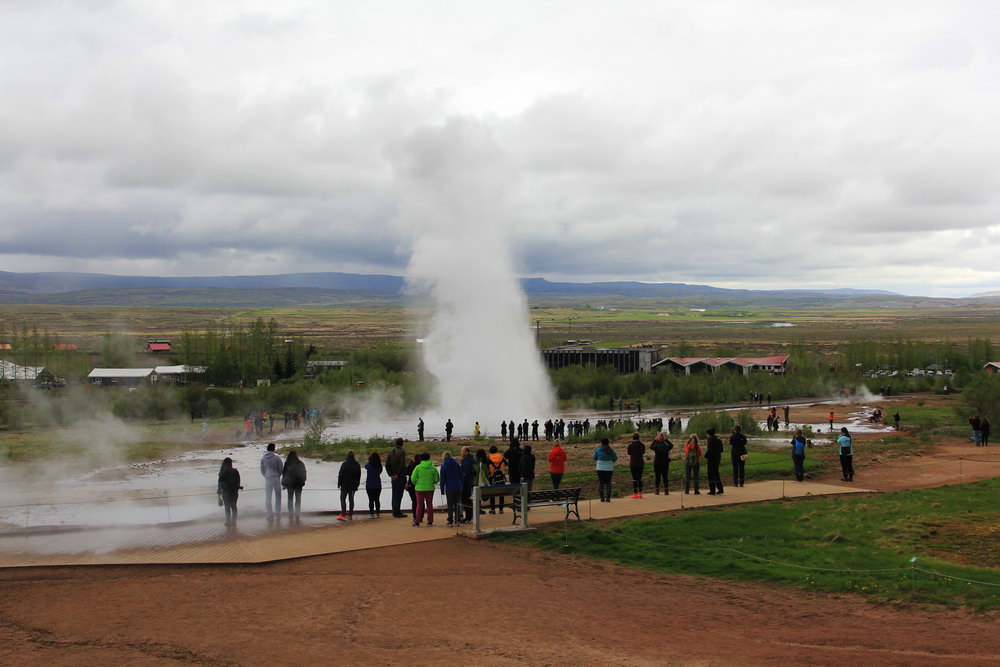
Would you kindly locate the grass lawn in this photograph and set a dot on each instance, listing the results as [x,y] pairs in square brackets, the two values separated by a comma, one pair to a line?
[822,544]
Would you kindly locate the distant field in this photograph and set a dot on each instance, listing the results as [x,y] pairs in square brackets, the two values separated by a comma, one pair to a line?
[744,328]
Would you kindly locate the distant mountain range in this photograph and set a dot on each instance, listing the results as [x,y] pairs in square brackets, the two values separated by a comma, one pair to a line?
[329,289]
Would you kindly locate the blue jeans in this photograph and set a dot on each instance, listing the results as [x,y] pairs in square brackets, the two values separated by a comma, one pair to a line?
[977,437]
[272,486]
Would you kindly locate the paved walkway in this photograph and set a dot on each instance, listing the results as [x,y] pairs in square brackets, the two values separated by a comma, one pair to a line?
[258,541]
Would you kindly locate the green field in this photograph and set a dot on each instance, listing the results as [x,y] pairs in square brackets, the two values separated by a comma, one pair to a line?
[859,545]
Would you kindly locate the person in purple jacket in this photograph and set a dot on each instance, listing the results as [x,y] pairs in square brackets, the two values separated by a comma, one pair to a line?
[451,486]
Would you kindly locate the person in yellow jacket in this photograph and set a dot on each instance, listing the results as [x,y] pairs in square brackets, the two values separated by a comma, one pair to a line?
[424,479]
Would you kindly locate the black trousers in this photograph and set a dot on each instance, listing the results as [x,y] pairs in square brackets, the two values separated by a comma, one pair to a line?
[348,498]
[556,479]
[691,473]
[660,471]
[847,466]
[453,498]
[374,500]
[637,477]
[714,478]
[604,483]
[398,488]
[739,470]
[229,503]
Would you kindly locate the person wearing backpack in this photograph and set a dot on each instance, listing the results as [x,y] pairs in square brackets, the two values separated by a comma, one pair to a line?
[424,478]
[661,461]
[495,475]
[738,454]
[846,454]
[692,464]
[799,455]
[605,458]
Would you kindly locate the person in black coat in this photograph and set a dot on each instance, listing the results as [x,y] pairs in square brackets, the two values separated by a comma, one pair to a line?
[661,461]
[527,467]
[229,489]
[410,491]
[513,456]
[293,478]
[713,457]
[738,453]
[468,463]
[348,481]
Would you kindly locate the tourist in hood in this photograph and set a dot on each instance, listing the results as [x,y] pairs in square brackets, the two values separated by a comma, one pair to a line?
[395,467]
[424,478]
[692,464]
[229,489]
[293,478]
[469,475]
[348,481]
[270,469]
[496,469]
[661,461]
[513,456]
[557,465]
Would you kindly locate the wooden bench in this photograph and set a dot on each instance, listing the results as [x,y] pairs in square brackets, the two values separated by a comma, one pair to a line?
[568,497]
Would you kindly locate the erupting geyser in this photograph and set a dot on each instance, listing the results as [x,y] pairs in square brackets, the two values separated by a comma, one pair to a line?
[479,346]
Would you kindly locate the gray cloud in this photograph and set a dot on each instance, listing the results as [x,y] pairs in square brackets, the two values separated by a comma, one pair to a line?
[781,145]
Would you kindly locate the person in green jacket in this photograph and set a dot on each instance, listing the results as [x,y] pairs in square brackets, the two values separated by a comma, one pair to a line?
[424,479]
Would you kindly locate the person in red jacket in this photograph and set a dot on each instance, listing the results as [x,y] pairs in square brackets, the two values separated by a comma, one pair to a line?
[557,465]
[692,464]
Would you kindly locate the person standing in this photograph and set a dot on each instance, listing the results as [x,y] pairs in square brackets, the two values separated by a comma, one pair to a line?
[503,429]
[395,467]
[373,484]
[977,429]
[713,458]
[528,468]
[229,489]
[846,451]
[476,431]
[692,464]
[448,428]
[984,431]
[661,461]
[293,478]
[452,481]
[496,475]
[534,430]
[830,419]
[785,410]
[469,475]
[557,464]
[636,463]
[409,483]
[738,455]
[511,430]
[420,429]
[513,456]
[348,481]
[270,469]
[604,457]
[895,418]
[799,455]
[424,478]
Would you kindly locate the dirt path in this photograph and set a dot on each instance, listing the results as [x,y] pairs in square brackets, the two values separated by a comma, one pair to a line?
[430,604]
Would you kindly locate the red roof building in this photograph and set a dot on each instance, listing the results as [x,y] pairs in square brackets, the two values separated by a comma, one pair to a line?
[776,364]
[158,346]
[64,347]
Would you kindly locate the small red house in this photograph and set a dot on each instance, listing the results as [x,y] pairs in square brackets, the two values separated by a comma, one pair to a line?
[157,346]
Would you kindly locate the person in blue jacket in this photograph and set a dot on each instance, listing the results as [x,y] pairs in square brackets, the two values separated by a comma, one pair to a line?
[452,482]
[799,455]
[605,458]
[469,474]
[846,450]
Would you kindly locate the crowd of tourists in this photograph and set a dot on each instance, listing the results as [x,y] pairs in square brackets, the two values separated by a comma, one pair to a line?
[456,477]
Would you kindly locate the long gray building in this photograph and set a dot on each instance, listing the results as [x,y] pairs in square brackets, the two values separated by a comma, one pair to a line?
[623,359]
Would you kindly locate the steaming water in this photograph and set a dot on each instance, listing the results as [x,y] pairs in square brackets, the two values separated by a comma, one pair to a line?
[479,346]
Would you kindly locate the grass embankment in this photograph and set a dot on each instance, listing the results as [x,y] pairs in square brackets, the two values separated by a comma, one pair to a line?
[952,530]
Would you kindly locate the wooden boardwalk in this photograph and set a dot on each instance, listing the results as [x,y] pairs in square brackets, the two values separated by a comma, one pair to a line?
[258,541]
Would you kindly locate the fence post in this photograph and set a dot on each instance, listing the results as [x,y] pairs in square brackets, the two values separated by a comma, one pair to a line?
[913,576]
[476,502]
[166,493]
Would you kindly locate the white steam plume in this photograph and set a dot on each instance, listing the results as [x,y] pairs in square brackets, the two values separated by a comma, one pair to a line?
[479,346]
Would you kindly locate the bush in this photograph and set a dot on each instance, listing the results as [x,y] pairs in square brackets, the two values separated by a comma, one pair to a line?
[723,422]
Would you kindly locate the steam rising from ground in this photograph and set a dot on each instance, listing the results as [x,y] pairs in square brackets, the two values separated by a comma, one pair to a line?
[479,346]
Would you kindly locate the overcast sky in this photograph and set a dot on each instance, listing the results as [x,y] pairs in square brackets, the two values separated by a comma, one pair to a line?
[754,144]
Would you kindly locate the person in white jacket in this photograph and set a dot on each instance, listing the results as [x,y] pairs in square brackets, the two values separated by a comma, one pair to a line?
[270,468]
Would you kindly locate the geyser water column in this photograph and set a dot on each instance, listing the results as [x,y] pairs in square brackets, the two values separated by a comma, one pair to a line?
[479,345]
